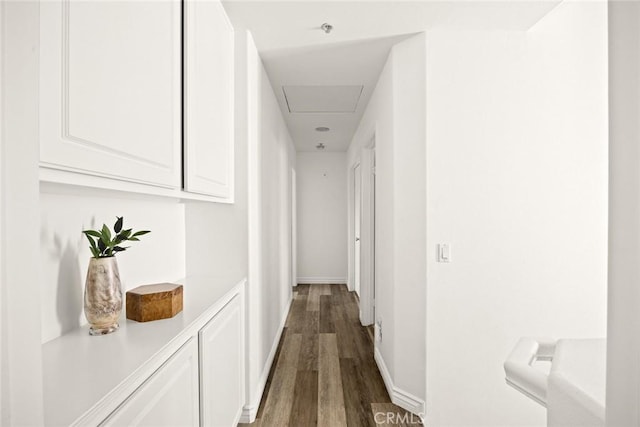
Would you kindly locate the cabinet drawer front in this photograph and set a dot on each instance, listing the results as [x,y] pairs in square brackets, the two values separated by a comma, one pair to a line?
[208,99]
[168,398]
[110,86]
[222,366]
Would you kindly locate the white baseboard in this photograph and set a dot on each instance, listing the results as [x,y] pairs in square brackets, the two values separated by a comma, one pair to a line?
[322,280]
[250,411]
[400,397]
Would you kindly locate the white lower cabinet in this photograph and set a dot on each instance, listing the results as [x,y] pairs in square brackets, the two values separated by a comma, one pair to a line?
[183,371]
[202,383]
[221,368]
[168,398]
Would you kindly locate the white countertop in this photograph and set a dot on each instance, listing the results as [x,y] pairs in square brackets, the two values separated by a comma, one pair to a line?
[80,371]
[577,383]
[584,364]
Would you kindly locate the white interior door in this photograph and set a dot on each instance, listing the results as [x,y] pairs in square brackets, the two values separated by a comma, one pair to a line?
[357,194]
[294,230]
[373,235]
[366,247]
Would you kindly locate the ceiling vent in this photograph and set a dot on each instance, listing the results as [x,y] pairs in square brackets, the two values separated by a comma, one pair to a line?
[322,99]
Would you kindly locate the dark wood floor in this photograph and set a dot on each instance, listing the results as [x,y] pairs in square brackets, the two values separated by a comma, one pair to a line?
[324,373]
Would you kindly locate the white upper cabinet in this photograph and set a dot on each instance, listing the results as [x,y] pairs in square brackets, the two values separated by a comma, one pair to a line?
[110,89]
[208,100]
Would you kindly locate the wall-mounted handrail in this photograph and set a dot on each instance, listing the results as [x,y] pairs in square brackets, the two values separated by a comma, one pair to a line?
[521,375]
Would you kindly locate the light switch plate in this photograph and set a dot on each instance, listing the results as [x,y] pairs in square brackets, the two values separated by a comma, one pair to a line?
[444,252]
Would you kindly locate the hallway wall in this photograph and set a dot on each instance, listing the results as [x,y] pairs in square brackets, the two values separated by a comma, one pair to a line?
[517,185]
[271,160]
[395,116]
[623,338]
[322,217]
[64,251]
[496,143]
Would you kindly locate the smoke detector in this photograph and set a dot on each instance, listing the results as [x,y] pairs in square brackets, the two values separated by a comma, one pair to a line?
[322,129]
[326,27]
[320,146]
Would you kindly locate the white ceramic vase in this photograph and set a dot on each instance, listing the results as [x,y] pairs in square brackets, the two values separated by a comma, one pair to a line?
[103,296]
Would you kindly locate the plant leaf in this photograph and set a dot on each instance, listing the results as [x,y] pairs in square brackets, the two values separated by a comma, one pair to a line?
[95,252]
[118,225]
[93,233]
[120,248]
[140,233]
[106,235]
[91,241]
[133,239]
[122,236]
[101,246]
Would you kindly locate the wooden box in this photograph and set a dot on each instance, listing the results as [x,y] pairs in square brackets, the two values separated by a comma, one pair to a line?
[154,302]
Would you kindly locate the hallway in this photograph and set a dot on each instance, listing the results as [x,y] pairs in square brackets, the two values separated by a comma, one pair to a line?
[324,372]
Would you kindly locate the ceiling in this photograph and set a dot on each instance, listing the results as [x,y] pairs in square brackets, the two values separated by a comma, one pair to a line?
[299,57]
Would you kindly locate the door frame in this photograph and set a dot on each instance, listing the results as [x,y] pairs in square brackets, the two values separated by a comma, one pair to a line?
[357,266]
[364,159]
[294,229]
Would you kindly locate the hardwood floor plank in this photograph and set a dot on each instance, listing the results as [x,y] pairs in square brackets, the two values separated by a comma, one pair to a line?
[309,353]
[306,322]
[362,343]
[331,411]
[324,372]
[277,410]
[296,312]
[326,315]
[267,386]
[326,289]
[374,382]
[342,324]
[313,300]
[352,307]
[303,289]
[357,398]
[304,411]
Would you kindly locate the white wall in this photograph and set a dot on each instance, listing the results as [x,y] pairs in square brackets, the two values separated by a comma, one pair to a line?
[395,116]
[21,376]
[322,217]
[64,251]
[623,338]
[217,234]
[517,185]
[271,158]
[43,228]
[378,121]
[493,142]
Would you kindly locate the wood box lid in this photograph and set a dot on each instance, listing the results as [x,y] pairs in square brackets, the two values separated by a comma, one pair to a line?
[154,302]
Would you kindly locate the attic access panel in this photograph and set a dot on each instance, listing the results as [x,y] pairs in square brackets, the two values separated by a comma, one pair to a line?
[322,99]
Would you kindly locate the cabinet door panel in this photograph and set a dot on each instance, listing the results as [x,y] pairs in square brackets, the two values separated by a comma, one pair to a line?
[209,99]
[110,89]
[169,398]
[222,367]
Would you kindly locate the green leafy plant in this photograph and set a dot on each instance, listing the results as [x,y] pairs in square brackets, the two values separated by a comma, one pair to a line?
[103,243]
